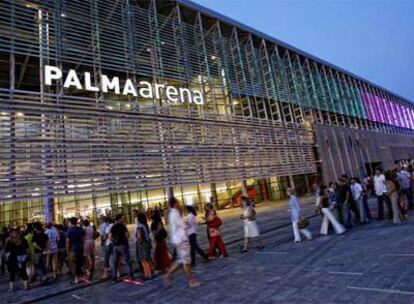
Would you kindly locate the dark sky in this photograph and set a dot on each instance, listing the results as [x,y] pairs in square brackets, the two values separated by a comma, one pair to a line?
[373,39]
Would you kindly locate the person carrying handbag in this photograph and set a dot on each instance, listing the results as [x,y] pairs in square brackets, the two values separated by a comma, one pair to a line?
[298,223]
[251,230]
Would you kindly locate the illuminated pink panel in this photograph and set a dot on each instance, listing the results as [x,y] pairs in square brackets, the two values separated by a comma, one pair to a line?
[391,112]
[387,117]
[379,109]
[367,105]
[412,116]
[396,114]
[402,116]
[373,107]
[404,113]
[410,121]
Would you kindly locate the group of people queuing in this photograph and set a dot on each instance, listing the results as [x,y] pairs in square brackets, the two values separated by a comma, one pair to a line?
[344,204]
[40,252]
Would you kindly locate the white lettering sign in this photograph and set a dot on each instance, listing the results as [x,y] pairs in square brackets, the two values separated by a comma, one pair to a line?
[143,89]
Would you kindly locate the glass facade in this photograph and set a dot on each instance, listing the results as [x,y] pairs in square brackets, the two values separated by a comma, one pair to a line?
[87,152]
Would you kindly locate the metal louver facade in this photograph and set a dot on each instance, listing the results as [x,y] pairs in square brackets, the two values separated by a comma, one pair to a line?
[261,99]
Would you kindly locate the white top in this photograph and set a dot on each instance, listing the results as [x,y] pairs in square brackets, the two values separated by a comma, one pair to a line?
[380,185]
[356,190]
[107,231]
[178,227]
[134,237]
[192,224]
[294,208]
[102,228]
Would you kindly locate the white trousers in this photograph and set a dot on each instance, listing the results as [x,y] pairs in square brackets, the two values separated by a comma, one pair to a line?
[395,209]
[297,232]
[328,217]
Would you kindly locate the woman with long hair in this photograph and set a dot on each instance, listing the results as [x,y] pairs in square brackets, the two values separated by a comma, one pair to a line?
[192,235]
[143,245]
[215,240]
[162,259]
[250,228]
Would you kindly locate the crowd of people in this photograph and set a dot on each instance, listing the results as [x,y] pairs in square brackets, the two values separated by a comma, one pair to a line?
[40,252]
[344,204]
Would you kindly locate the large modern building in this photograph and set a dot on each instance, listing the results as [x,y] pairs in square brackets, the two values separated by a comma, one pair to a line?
[109,105]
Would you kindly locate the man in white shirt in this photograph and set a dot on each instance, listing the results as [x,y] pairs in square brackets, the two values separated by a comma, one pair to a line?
[179,238]
[380,187]
[357,192]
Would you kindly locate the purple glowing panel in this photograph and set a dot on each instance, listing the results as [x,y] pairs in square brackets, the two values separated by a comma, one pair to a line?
[377,106]
[404,115]
[390,112]
[370,108]
[412,117]
[397,114]
[384,110]
[409,118]
[366,102]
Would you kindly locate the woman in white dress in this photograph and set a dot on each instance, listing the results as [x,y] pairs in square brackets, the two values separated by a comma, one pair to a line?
[295,217]
[328,216]
[251,230]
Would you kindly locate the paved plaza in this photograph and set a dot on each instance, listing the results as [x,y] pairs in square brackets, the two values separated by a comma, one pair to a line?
[369,264]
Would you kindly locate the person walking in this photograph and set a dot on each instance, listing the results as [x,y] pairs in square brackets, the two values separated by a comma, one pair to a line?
[162,259]
[143,245]
[342,198]
[328,217]
[366,186]
[192,235]
[89,247]
[119,235]
[393,188]
[16,251]
[380,187]
[357,195]
[209,212]
[250,227]
[75,249]
[104,223]
[179,238]
[213,224]
[40,242]
[52,250]
[108,248]
[30,264]
[405,179]
[295,216]
[61,248]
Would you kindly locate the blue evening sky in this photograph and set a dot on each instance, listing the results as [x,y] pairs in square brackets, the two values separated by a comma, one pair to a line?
[372,39]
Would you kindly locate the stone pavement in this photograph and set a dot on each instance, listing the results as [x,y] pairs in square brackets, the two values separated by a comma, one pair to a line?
[369,264]
[271,216]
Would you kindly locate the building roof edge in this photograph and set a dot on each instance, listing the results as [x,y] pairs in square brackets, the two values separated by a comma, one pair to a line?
[207,11]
